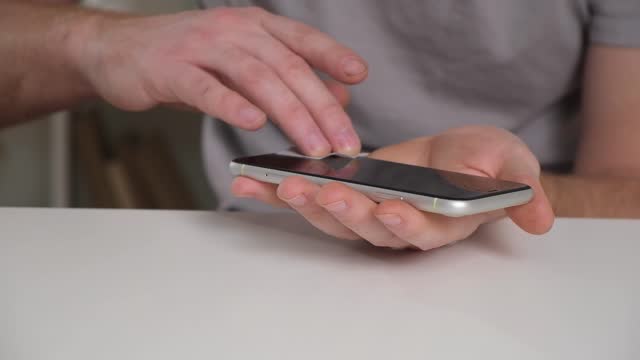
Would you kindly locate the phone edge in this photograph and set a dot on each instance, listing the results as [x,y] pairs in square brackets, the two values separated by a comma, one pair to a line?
[451,208]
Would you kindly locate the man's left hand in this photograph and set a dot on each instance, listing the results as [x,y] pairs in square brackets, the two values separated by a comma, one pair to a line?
[340,211]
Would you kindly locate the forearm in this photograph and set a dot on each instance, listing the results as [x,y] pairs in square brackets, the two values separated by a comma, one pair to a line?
[39,72]
[597,197]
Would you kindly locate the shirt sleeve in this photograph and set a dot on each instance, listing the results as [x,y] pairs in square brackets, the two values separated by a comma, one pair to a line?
[615,22]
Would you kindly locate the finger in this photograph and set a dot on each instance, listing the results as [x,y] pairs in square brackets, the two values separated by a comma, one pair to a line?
[298,76]
[245,187]
[507,158]
[319,49]
[423,230]
[198,89]
[355,211]
[535,217]
[412,152]
[300,195]
[339,91]
[264,87]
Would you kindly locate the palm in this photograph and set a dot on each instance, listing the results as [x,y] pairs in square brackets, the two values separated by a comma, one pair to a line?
[479,151]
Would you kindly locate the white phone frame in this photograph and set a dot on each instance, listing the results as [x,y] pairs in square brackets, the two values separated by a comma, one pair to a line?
[452,208]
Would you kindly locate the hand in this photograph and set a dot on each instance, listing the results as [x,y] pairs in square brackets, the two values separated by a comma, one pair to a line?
[343,212]
[236,64]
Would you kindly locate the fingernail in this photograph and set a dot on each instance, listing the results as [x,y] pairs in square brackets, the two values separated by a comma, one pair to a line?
[353,67]
[317,144]
[347,142]
[390,219]
[336,207]
[297,201]
[251,116]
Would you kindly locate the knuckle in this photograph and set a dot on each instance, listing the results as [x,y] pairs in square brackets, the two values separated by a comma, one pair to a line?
[256,11]
[196,36]
[227,16]
[198,88]
[333,111]
[295,66]
[293,110]
[184,84]
[200,35]
[331,193]
[302,33]
[203,95]
[200,84]
[355,219]
[256,75]
[389,207]
[334,54]
[292,185]
[225,101]
[288,189]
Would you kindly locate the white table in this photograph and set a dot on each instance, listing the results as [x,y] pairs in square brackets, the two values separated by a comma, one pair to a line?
[88,284]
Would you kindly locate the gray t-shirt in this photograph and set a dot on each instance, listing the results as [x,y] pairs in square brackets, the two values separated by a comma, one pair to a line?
[436,64]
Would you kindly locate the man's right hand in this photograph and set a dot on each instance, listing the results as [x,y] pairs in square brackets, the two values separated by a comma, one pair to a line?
[237,64]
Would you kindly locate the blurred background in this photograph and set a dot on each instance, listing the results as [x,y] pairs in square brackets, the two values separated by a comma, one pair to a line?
[99,156]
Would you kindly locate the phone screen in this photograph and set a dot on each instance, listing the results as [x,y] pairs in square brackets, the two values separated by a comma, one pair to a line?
[389,175]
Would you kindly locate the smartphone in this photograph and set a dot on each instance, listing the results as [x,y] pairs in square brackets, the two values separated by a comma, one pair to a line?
[437,191]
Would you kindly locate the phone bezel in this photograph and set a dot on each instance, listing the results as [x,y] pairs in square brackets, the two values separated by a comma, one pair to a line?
[520,187]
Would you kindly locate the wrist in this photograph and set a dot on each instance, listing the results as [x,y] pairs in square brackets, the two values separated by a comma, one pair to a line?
[73,33]
[82,34]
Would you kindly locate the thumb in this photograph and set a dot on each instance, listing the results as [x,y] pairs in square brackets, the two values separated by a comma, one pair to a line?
[535,217]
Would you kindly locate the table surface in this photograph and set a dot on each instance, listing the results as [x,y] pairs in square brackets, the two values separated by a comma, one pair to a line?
[115,284]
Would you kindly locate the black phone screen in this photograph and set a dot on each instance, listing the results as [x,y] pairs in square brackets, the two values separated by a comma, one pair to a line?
[389,175]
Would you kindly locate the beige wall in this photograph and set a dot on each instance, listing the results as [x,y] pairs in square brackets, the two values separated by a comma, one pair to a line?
[24,165]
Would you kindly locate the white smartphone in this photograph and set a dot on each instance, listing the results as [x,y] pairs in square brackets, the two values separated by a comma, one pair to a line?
[437,191]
